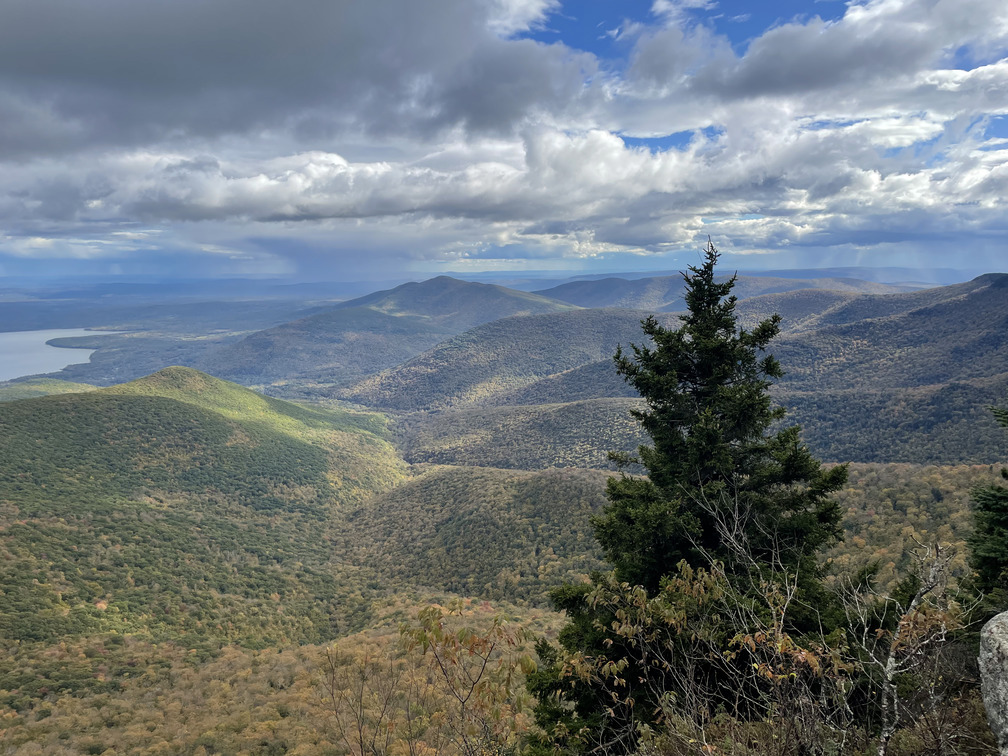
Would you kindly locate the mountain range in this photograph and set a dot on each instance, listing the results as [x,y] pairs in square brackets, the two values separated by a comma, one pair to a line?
[870,377]
[183,504]
[874,372]
[181,554]
[665,293]
[371,333]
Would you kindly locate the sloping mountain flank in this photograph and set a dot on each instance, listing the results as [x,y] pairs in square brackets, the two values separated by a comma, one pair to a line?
[942,424]
[596,380]
[939,425]
[864,307]
[552,357]
[665,293]
[948,334]
[369,334]
[952,333]
[179,504]
[335,346]
[486,363]
[532,531]
[800,310]
[526,437]
[958,333]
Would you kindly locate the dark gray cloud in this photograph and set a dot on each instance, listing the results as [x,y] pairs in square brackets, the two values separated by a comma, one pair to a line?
[121,72]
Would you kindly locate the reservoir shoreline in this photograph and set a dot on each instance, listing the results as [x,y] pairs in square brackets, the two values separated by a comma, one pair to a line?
[27,353]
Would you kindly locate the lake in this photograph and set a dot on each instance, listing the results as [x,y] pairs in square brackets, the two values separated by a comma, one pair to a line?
[26,352]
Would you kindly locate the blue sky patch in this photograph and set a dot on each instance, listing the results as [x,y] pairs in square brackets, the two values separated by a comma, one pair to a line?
[678,141]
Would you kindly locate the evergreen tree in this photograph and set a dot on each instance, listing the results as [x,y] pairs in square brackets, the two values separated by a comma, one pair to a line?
[989,542]
[725,488]
[714,463]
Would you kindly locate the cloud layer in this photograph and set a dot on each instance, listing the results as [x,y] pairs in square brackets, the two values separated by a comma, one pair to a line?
[287,138]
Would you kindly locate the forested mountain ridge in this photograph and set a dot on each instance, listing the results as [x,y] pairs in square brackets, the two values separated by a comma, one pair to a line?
[910,384]
[182,505]
[869,307]
[665,293]
[382,330]
[800,310]
[955,335]
[179,504]
[487,363]
[331,344]
[824,343]
[371,333]
[158,529]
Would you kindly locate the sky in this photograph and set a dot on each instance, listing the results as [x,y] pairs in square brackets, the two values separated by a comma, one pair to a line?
[345,140]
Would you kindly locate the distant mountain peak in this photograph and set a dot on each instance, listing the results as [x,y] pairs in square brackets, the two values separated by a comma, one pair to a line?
[416,292]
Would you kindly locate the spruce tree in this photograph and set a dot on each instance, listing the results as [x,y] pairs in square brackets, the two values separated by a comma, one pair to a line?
[716,461]
[726,486]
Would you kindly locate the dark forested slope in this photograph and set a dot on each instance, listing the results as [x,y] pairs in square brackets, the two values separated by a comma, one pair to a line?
[958,333]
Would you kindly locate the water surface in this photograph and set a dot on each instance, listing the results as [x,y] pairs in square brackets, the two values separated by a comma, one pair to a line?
[26,352]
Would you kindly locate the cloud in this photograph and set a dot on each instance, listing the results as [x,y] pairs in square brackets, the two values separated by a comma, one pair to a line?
[507,17]
[115,72]
[675,11]
[278,134]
